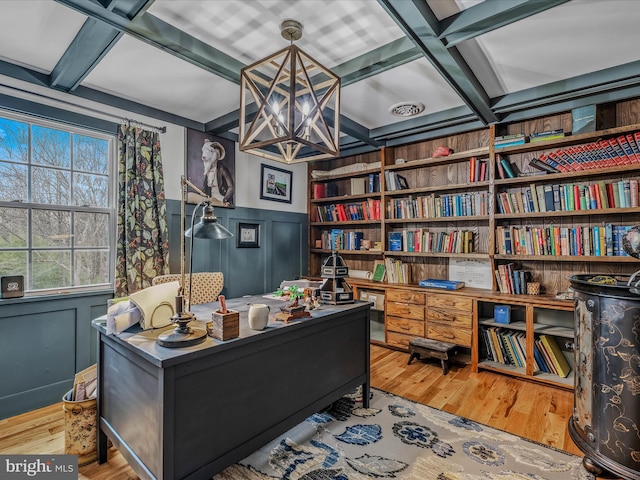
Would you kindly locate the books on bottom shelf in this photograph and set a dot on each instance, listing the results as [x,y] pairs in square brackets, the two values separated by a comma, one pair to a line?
[397,271]
[553,356]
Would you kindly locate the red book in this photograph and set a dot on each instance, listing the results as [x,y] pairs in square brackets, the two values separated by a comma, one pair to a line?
[610,196]
[576,197]
[499,165]
[483,171]
[319,190]
[634,148]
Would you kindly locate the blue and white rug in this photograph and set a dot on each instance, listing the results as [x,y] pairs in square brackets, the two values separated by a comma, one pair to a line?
[397,438]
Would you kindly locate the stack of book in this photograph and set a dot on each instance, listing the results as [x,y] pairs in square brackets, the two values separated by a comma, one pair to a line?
[548,135]
[606,153]
[502,141]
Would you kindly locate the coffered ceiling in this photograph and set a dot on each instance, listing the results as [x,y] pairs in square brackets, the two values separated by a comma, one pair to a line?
[469,62]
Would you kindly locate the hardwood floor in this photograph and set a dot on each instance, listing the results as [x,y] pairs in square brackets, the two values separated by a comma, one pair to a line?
[524,408]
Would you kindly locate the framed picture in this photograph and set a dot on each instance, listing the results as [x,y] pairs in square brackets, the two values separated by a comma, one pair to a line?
[275,184]
[248,235]
[210,166]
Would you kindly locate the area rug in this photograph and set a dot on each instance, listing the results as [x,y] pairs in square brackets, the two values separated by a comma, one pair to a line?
[398,438]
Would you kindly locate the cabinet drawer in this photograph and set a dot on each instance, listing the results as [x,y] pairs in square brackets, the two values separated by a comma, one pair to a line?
[406,310]
[403,325]
[399,340]
[446,333]
[450,301]
[405,296]
[448,316]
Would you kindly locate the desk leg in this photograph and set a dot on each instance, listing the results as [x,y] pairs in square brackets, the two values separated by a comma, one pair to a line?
[366,395]
[102,446]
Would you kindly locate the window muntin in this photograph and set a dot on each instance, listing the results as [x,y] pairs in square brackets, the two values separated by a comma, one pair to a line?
[56,204]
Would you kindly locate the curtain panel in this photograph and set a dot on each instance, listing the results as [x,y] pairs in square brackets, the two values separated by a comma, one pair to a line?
[142,246]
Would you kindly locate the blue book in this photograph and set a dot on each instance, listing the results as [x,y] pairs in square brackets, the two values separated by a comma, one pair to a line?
[437,283]
[395,241]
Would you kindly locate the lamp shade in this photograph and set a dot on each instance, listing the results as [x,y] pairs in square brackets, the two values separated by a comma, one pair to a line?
[208,227]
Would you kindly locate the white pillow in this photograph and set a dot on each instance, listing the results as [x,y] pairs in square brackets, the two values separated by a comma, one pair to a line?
[156,304]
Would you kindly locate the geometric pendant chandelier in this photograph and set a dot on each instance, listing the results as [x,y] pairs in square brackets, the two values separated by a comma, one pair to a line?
[289,105]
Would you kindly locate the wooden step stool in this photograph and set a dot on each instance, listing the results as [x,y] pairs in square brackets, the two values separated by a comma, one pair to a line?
[431,349]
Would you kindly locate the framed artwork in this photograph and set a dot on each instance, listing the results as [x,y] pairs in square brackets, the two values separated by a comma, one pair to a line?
[248,235]
[210,166]
[275,184]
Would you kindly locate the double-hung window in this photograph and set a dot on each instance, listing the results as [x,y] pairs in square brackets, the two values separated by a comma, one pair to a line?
[56,204]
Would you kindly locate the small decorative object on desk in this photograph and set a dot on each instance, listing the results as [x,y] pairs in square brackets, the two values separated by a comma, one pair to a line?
[258,316]
[225,324]
[444,284]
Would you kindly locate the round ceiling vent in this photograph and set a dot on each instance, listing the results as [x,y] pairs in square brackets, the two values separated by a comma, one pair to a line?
[406,109]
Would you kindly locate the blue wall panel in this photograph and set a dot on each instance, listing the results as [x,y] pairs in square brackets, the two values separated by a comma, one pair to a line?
[44,342]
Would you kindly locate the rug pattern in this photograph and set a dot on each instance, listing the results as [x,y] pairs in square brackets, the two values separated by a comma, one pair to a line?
[397,438]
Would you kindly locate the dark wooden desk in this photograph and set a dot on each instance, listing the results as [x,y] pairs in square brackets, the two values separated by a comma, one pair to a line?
[188,413]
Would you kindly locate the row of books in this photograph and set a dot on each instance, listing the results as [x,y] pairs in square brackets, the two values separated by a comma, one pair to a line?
[396,271]
[422,240]
[611,152]
[508,347]
[502,141]
[511,280]
[570,197]
[394,181]
[599,241]
[436,206]
[478,170]
[340,212]
[338,239]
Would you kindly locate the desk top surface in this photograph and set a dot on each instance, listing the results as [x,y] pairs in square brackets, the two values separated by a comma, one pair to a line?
[144,341]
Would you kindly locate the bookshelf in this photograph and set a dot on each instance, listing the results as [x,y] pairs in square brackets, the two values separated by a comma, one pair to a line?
[448,201]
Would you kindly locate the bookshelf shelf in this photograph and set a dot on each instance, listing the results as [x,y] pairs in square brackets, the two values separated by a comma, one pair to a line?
[349,222]
[400,253]
[431,162]
[596,172]
[438,188]
[327,251]
[568,258]
[469,218]
[346,198]
[569,213]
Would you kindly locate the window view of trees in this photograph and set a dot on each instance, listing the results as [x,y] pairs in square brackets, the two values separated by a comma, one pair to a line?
[56,209]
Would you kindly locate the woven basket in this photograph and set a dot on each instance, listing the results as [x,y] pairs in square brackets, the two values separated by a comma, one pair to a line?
[80,428]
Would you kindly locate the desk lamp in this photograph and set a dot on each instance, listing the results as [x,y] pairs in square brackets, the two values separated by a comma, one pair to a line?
[209,229]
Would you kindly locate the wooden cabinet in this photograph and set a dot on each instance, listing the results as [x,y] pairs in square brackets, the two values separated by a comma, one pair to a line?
[450,319]
[404,316]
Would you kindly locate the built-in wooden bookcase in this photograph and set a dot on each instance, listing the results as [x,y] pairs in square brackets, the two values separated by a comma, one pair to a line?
[456,178]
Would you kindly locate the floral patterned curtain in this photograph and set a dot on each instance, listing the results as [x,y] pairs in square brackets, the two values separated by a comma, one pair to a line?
[142,245]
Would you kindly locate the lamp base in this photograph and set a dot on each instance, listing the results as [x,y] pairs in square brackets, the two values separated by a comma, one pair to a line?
[178,337]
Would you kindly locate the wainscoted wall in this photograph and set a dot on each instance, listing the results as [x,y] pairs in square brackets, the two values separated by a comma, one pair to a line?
[45,340]
[282,255]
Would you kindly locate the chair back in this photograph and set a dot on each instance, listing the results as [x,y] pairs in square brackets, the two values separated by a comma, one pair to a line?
[206,285]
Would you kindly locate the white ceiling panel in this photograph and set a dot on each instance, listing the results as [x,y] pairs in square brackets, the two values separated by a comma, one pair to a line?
[35,33]
[138,72]
[368,101]
[334,30]
[576,38]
